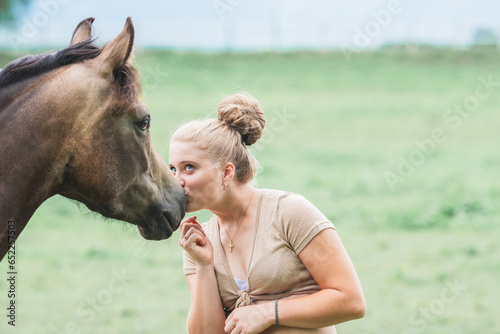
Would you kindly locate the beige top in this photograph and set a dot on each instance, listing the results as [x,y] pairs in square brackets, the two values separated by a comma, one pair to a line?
[285,224]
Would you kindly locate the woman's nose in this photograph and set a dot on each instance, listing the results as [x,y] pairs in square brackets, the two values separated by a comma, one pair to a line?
[180,179]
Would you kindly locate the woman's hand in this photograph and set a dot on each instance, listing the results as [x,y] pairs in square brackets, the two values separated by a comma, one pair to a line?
[250,319]
[195,242]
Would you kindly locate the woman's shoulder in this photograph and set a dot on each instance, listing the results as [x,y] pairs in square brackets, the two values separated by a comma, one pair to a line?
[279,194]
[287,205]
[291,205]
[284,198]
[297,219]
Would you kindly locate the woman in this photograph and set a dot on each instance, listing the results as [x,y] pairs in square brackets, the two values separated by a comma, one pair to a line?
[267,261]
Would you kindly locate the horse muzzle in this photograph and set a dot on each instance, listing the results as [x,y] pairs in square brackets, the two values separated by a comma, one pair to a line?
[164,225]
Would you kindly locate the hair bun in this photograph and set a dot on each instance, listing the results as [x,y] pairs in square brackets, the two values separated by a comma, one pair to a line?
[242,113]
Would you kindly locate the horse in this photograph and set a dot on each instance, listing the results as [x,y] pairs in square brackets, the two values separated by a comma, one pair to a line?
[72,124]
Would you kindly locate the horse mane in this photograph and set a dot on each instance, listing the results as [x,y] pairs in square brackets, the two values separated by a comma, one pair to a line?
[33,65]
[126,82]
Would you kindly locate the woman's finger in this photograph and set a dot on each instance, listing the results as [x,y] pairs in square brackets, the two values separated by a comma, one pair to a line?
[194,230]
[187,226]
[189,232]
[228,327]
[229,318]
[193,239]
[190,219]
[187,222]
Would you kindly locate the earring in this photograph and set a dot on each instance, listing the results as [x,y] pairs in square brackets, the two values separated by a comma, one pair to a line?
[225,186]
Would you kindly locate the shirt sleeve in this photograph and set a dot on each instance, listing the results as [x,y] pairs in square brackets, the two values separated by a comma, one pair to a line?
[301,221]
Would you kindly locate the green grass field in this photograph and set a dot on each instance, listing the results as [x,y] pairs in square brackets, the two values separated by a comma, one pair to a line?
[411,185]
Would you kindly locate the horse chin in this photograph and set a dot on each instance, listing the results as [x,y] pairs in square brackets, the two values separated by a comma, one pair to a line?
[148,234]
[163,227]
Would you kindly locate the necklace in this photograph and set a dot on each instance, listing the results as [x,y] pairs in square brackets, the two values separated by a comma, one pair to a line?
[231,245]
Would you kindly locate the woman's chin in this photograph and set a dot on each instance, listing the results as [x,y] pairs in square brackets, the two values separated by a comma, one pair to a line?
[194,205]
[190,207]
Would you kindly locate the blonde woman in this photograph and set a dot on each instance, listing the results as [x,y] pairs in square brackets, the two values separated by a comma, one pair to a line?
[268,261]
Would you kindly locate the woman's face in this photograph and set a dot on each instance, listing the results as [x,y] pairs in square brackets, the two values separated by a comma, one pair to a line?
[201,179]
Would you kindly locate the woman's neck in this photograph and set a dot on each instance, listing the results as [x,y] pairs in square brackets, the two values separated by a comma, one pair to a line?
[234,205]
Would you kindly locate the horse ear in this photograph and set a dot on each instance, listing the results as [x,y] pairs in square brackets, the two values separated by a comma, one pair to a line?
[115,53]
[83,31]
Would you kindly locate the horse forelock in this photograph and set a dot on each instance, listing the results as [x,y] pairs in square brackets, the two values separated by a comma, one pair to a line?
[127,87]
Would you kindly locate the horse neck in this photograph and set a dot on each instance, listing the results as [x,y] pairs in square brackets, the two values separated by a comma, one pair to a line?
[34,136]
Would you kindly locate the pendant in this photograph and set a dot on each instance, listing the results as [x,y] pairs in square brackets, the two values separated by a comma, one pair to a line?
[231,246]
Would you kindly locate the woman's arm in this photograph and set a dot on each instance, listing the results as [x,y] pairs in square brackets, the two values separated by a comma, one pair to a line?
[340,299]
[341,296]
[207,313]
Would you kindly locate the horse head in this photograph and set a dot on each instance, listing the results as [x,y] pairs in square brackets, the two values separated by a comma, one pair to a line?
[83,132]
[114,168]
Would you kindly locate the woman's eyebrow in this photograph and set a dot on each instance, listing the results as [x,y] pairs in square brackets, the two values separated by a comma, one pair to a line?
[183,162]
[187,162]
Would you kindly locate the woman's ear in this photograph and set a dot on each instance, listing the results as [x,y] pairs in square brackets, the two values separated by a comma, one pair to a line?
[228,173]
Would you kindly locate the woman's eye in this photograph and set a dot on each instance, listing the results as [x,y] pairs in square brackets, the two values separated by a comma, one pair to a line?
[144,124]
[189,168]
[172,169]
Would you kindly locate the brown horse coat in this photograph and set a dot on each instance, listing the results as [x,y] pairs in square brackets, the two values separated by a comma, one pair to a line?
[71,123]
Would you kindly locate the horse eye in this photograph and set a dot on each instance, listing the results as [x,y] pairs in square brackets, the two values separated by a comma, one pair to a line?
[144,124]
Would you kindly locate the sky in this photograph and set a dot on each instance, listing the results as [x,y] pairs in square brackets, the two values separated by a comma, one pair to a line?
[258,24]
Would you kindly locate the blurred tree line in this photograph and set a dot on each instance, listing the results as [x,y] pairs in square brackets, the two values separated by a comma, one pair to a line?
[8,9]
[485,36]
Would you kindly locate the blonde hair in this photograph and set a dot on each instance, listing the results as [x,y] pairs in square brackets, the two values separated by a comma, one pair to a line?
[240,122]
